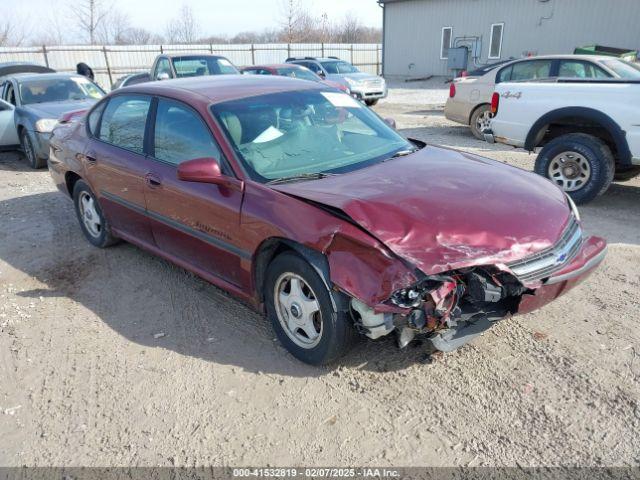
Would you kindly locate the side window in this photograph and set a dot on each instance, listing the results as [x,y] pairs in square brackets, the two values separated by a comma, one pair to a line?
[124,120]
[504,75]
[445,45]
[495,47]
[253,71]
[9,93]
[163,66]
[579,69]
[531,70]
[180,135]
[93,119]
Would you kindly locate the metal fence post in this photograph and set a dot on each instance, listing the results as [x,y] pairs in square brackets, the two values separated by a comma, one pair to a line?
[161,50]
[322,49]
[288,50]
[352,54]
[211,47]
[106,60]
[377,60]
[253,54]
[46,57]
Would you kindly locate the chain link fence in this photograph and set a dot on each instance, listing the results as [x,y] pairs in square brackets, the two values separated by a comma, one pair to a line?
[110,62]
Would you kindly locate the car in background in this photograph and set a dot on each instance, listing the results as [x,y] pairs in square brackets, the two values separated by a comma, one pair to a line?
[302,201]
[469,99]
[131,79]
[364,86]
[168,66]
[293,71]
[31,105]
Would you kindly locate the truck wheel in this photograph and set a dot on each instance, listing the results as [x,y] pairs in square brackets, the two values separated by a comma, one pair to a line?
[27,147]
[299,306]
[582,165]
[371,103]
[480,121]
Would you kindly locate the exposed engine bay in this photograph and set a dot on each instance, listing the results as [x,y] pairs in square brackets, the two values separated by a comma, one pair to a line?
[450,308]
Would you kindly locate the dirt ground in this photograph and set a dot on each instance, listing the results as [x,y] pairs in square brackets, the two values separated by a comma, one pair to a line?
[115,357]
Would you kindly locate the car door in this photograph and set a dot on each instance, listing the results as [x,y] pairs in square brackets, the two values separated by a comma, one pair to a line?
[197,223]
[116,163]
[8,132]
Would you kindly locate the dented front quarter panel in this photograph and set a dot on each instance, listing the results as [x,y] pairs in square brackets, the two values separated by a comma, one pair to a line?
[359,265]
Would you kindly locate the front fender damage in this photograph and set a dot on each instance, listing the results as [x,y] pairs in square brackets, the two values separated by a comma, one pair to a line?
[386,294]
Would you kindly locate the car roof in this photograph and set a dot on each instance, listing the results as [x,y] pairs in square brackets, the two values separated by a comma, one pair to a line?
[593,58]
[220,88]
[21,77]
[274,66]
[190,54]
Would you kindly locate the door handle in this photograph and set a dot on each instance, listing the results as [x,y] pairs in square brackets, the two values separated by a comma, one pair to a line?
[90,157]
[152,180]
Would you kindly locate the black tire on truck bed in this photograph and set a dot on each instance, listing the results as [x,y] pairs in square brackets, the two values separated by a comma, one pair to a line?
[596,153]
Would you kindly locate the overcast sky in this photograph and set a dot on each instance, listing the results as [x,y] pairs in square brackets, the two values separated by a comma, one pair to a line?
[215,16]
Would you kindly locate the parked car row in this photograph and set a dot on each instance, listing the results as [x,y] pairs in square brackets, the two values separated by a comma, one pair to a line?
[296,197]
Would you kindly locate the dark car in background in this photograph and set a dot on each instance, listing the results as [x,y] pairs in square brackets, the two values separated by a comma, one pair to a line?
[31,105]
[168,66]
[131,79]
[292,71]
[302,201]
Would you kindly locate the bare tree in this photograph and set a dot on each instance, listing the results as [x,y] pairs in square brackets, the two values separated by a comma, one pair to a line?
[184,28]
[140,36]
[291,12]
[349,29]
[10,34]
[90,15]
[114,28]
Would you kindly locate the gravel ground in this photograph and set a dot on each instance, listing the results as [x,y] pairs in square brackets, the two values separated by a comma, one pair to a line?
[115,357]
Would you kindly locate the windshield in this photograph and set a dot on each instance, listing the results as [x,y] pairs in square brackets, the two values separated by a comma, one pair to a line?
[195,66]
[301,73]
[58,90]
[306,132]
[338,67]
[623,69]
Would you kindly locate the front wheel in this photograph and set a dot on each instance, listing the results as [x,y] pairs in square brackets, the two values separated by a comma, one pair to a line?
[35,162]
[582,165]
[299,306]
[371,103]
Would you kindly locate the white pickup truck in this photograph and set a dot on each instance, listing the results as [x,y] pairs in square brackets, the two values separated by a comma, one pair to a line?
[589,130]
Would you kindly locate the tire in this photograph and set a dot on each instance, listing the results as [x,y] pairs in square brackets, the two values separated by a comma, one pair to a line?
[335,330]
[29,152]
[590,164]
[626,174]
[371,103]
[100,237]
[480,119]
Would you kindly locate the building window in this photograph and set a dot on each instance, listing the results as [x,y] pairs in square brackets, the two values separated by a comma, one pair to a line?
[495,47]
[447,37]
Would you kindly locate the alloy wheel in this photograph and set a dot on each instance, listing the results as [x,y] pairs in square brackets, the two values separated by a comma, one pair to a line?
[89,214]
[570,170]
[298,310]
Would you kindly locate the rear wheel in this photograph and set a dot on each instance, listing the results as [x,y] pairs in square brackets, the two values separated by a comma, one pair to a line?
[92,221]
[30,152]
[481,121]
[302,314]
[371,103]
[582,165]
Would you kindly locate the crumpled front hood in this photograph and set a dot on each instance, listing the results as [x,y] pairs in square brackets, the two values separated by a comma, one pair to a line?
[441,209]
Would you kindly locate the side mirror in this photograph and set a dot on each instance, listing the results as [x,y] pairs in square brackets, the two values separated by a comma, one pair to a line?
[322,74]
[391,122]
[201,170]
[163,76]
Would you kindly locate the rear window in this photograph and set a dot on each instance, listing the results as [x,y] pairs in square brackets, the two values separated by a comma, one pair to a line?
[522,71]
[194,66]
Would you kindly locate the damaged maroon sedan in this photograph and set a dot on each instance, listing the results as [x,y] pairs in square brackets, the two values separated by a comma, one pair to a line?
[306,204]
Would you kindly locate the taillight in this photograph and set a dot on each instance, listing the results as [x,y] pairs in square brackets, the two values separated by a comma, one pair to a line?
[495,102]
[452,90]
